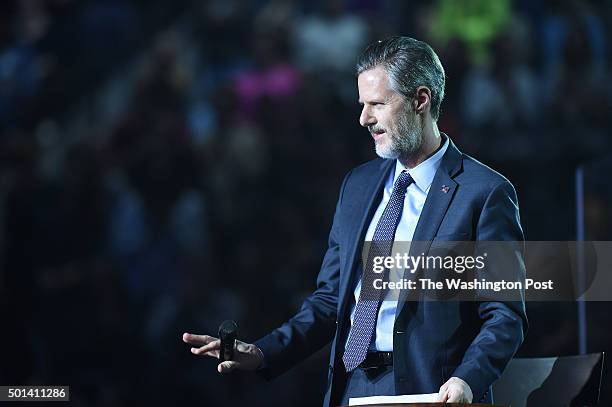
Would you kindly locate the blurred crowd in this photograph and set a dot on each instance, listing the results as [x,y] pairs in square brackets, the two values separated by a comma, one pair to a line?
[168,165]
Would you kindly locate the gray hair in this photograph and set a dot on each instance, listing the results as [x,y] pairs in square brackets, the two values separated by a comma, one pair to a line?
[409,63]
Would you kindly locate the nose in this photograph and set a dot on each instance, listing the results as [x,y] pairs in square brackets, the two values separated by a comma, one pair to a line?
[366,118]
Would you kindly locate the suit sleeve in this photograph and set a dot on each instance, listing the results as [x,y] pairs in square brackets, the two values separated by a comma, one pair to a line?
[314,324]
[504,324]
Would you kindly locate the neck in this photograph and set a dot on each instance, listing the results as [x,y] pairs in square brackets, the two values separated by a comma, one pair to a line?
[430,143]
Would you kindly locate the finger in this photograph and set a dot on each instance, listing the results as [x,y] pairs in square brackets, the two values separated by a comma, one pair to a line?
[242,347]
[442,392]
[454,396]
[211,353]
[212,347]
[197,339]
[215,345]
[442,395]
[227,366]
[443,388]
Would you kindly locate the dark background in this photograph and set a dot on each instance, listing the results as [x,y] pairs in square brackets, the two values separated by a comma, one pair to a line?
[166,165]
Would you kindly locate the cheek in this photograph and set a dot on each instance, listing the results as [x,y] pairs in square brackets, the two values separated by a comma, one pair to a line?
[392,123]
[385,119]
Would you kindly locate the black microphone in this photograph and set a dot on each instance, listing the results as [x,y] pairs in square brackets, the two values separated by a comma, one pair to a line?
[228,331]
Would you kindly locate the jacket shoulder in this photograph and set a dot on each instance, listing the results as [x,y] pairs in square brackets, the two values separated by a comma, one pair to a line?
[374,165]
[476,171]
[366,171]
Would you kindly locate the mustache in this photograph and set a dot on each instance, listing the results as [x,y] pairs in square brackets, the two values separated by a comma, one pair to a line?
[376,129]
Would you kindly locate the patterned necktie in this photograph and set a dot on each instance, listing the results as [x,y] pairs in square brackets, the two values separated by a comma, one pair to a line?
[366,310]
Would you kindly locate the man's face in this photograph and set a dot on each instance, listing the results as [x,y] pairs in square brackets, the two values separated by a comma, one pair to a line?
[388,116]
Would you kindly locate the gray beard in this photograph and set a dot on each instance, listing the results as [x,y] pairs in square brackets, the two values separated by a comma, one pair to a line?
[406,140]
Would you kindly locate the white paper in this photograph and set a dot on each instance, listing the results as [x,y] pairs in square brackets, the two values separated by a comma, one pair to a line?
[407,398]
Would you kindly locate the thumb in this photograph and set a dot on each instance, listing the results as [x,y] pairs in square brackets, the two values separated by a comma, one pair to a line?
[227,366]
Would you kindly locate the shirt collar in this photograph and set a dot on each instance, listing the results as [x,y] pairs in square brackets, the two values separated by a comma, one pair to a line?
[423,174]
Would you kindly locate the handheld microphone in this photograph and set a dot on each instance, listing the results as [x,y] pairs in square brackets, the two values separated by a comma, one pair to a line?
[228,331]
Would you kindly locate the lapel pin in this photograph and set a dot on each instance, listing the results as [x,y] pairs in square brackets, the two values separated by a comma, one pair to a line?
[445,189]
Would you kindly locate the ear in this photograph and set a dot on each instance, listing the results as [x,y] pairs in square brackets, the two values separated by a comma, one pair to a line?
[422,101]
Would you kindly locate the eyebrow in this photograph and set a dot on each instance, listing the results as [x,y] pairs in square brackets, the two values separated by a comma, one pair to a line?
[361,102]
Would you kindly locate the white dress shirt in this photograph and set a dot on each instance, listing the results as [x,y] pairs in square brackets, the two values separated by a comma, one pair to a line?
[423,175]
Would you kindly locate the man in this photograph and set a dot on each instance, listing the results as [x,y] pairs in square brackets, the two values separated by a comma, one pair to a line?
[420,189]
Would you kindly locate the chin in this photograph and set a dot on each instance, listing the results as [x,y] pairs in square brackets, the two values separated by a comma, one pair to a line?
[385,151]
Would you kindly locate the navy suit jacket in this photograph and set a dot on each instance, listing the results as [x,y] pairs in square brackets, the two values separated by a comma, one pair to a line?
[432,340]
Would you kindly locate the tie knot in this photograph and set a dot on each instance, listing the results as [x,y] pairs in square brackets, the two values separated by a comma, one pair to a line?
[403,181]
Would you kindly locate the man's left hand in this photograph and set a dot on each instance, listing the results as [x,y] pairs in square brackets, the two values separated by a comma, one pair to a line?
[455,390]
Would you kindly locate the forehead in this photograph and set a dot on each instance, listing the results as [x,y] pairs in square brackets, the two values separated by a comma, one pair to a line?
[374,84]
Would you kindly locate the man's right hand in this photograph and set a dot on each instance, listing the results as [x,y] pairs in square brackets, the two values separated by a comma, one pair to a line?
[246,355]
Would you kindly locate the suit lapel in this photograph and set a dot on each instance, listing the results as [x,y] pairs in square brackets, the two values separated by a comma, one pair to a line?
[436,205]
[370,190]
